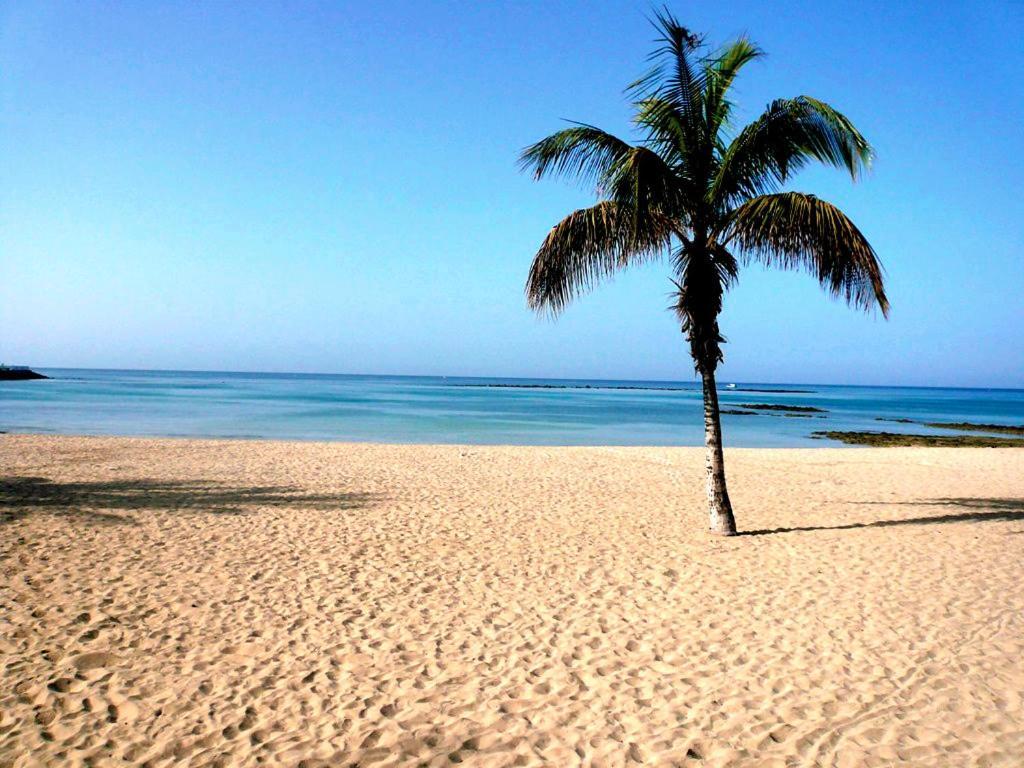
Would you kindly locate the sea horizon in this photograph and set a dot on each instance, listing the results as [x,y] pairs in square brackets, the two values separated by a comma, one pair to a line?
[694,381]
[421,409]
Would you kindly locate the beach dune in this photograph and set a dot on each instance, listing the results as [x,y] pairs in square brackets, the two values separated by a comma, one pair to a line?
[244,603]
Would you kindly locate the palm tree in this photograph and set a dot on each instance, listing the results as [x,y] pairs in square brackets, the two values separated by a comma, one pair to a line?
[708,197]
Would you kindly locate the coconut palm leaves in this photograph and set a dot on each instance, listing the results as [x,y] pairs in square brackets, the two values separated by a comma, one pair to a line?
[686,180]
[583,151]
[588,245]
[790,134]
[797,231]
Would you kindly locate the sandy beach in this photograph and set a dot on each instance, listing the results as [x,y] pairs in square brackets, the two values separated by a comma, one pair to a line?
[219,603]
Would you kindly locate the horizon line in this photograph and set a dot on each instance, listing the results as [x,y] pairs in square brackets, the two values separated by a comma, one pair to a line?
[523,378]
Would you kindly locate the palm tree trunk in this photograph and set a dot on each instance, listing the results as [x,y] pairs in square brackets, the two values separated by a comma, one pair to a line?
[719,506]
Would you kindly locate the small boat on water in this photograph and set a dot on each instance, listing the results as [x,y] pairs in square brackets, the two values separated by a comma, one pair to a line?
[730,386]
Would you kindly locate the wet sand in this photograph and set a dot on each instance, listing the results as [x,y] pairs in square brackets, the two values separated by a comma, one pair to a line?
[232,603]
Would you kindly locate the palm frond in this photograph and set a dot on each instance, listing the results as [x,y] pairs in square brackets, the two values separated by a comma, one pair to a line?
[676,75]
[789,134]
[582,151]
[587,246]
[720,73]
[642,183]
[665,129]
[798,231]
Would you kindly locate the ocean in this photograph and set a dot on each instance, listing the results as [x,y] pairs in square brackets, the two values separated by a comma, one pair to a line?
[431,409]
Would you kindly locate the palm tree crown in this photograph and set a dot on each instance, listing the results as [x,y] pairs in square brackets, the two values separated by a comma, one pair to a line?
[702,193]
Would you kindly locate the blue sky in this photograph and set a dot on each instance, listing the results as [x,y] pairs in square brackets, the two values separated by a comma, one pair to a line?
[332,187]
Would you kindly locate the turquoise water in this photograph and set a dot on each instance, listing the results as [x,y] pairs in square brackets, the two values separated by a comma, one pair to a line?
[408,409]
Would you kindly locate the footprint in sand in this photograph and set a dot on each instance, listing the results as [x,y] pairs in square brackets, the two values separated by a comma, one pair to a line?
[86,661]
[46,716]
[62,685]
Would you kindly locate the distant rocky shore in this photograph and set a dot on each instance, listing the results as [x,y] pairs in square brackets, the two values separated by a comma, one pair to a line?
[18,373]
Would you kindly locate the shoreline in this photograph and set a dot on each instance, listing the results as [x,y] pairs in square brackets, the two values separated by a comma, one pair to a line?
[820,445]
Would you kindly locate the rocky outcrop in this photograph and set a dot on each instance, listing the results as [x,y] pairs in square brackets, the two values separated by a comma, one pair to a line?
[19,374]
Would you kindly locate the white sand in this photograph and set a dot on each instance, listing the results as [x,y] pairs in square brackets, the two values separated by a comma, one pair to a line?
[200,603]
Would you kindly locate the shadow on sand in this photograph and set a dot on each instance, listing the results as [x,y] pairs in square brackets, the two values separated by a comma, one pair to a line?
[975,511]
[98,502]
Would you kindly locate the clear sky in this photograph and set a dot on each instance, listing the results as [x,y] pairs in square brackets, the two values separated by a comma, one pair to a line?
[332,187]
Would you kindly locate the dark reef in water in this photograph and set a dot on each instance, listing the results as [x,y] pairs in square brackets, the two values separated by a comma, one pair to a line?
[892,439]
[628,386]
[963,426]
[966,426]
[787,408]
[574,386]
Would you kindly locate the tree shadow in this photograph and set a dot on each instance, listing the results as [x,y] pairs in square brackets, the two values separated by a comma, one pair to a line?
[978,511]
[99,502]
